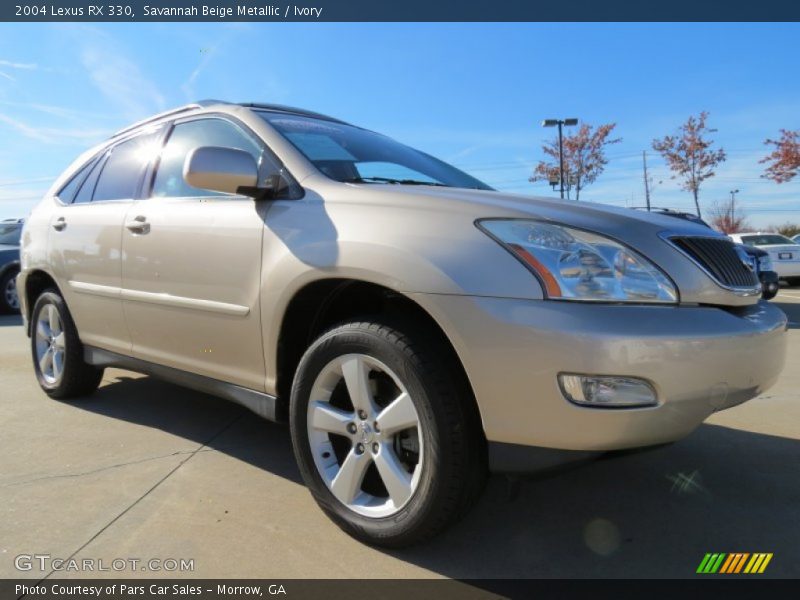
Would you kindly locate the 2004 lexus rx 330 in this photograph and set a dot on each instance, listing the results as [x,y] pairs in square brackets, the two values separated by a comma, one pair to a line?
[416,328]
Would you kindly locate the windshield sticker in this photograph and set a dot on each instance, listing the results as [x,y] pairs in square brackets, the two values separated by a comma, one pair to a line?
[318,146]
[306,125]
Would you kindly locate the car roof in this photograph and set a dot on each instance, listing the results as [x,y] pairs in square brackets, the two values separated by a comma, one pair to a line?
[290,110]
[202,104]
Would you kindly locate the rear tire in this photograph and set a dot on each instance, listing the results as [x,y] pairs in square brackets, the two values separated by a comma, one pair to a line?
[57,351]
[417,470]
[9,299]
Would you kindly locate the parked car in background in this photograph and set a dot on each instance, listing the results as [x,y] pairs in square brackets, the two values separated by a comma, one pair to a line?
[784,252]
[414,327]
[760,260]
[796,238]
[10,231]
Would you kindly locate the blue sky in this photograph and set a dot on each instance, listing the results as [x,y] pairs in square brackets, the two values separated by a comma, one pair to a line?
[472,94]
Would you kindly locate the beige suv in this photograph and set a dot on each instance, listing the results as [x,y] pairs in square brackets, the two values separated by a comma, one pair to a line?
[416,328]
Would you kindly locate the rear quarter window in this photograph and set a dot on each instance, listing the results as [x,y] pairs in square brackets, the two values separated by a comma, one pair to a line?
[67,193]
[89,182]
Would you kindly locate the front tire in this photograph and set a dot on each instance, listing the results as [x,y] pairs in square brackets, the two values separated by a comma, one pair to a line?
[385,433]
[57,350]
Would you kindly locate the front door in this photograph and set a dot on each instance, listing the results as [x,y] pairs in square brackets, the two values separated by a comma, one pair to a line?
[191,266]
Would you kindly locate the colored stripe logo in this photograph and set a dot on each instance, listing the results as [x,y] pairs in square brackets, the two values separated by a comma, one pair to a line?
[735,562]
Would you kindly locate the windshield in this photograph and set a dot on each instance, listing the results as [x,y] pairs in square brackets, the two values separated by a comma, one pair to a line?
[350,154]
[10,233]
[765,240]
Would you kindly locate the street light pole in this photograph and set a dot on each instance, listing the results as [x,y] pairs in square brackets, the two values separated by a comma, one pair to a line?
[561,156]
[646,180]
[560,123]
[733,203]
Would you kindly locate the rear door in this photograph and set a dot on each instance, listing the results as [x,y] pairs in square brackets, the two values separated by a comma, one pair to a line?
[191,265]
[85,239]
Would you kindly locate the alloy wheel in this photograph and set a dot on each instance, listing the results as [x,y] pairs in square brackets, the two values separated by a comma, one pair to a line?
[10,294]
[365,435]
[50,344]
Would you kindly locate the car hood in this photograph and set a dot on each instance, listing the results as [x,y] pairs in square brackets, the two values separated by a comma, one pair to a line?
[627,225]
[438,209]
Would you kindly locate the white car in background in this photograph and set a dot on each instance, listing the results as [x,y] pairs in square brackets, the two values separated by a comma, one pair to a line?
[784,252]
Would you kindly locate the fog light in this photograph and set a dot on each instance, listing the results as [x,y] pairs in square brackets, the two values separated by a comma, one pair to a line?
[604,391]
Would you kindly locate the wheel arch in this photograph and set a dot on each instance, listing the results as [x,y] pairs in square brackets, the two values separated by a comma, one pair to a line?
[9,266]
[321,304]
[36,281]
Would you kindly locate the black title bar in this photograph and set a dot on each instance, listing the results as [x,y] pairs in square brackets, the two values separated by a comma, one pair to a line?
[399,10]
[732,588]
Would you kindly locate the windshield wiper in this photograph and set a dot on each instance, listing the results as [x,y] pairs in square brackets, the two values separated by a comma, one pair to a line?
[393,181]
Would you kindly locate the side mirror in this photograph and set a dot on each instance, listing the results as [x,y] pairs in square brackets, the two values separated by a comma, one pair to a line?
[222,170]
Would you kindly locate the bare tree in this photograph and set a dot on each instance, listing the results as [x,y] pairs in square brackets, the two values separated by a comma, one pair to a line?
[725,217]
[690,156]
[584,158]
[784,160]
[788,229]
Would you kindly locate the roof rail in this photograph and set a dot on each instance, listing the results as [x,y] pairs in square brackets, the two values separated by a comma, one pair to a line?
[290,110]
[168,113]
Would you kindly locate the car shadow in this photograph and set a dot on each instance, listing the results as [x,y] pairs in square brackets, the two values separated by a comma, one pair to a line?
[197,417]
[10,320]
[637,514]
[651,513]
[792,310]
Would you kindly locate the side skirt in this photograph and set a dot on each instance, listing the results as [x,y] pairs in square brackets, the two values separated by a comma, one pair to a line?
[264,405]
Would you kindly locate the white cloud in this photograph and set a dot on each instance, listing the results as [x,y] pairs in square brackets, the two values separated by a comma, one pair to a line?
[16,203]
[53,135]
[208,51]
[57,111]
[206,54]
[16,65]
[115,75]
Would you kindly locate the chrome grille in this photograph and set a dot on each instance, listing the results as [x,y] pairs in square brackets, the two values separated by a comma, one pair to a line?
[720,259]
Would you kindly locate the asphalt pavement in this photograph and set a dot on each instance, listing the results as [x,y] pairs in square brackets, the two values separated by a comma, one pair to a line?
[144,470]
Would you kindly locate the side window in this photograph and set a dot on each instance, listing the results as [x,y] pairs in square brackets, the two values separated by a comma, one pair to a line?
[67,193]
[187,136]
[89,183]
[123,170]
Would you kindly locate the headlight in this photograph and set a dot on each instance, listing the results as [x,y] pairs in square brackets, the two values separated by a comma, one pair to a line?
[765,263]
[579,265]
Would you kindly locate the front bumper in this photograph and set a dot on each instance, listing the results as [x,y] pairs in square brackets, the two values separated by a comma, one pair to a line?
[699,359]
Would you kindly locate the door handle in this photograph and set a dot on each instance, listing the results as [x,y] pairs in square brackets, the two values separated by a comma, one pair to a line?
[60,224]
[138,225]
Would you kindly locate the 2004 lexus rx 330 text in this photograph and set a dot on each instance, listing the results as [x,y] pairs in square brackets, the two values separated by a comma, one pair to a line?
[416,328]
